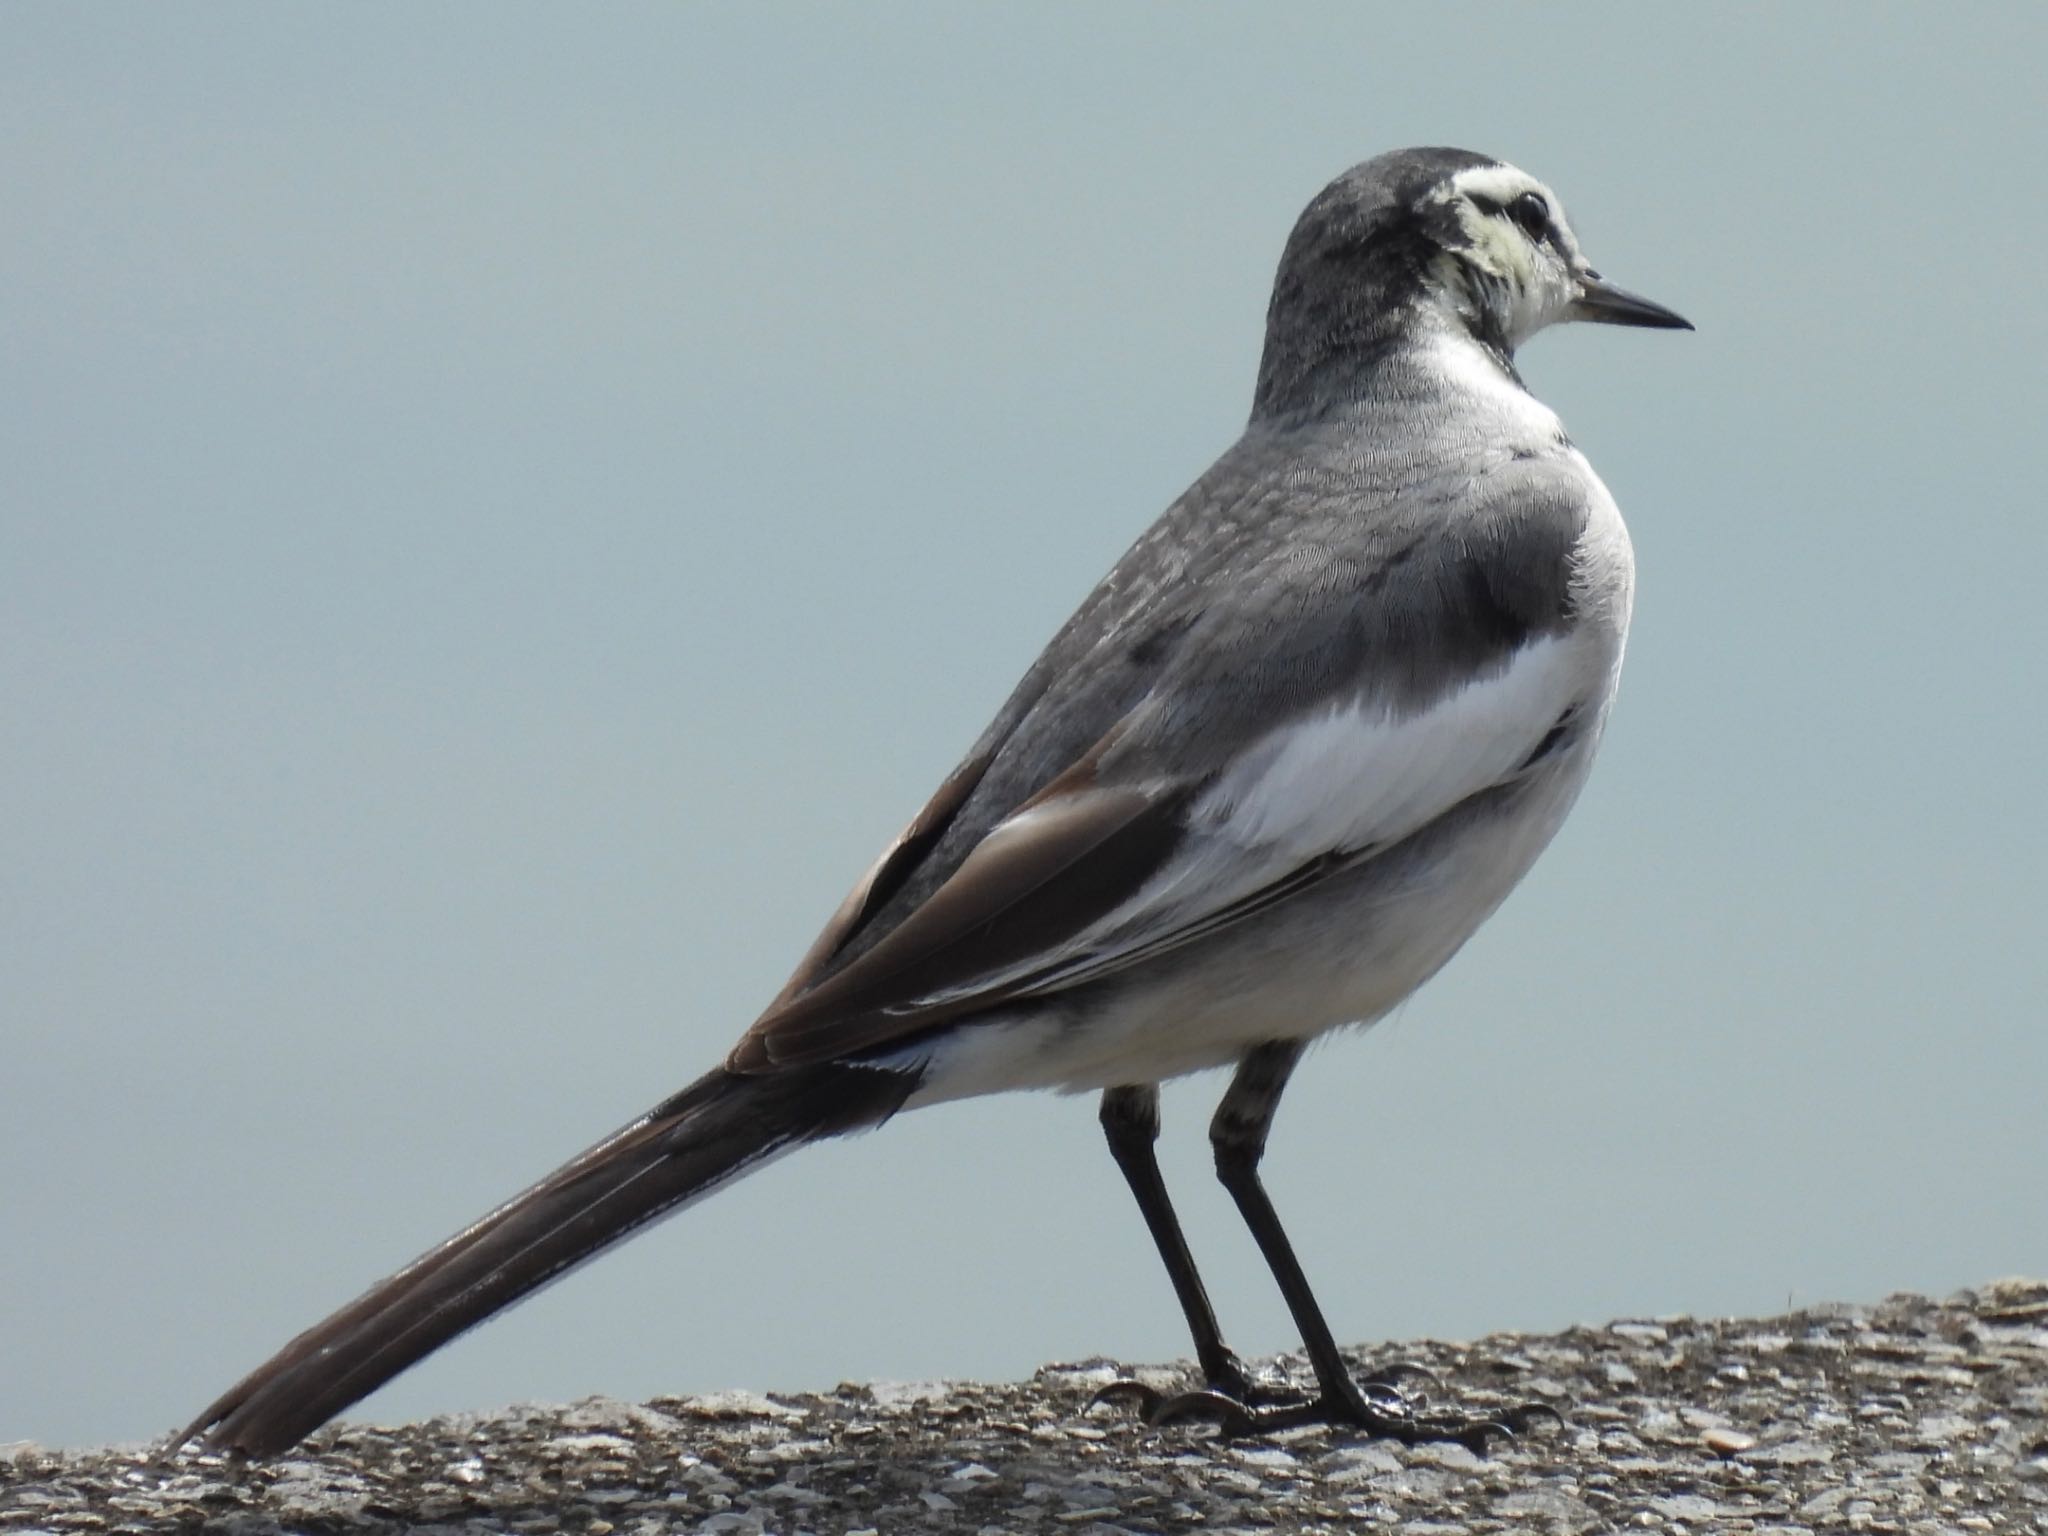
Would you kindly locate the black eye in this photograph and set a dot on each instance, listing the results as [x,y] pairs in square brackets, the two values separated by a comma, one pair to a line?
[1532,213]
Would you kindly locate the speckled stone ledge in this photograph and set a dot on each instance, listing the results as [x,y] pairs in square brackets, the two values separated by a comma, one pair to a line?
[1910,1416]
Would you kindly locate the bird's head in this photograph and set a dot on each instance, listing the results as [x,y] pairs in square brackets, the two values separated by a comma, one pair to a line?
[1422,239]
[1510,265]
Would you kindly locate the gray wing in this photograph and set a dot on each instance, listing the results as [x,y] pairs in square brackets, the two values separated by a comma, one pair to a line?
[1114,809]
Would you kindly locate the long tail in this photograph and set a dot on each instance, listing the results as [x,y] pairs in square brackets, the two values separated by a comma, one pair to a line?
[716,1130]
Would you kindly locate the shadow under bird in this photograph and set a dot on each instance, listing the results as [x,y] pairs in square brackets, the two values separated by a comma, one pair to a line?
[1281,763]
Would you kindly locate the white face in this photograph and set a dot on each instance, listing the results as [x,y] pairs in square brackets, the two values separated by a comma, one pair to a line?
[1520,239]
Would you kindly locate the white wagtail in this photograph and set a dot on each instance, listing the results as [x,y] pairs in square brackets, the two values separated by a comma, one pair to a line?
[1286,757]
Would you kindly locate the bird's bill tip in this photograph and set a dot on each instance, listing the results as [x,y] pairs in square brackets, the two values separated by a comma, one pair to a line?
[1604,304]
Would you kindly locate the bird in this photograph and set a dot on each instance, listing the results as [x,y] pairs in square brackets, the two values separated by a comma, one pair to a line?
[1280,764]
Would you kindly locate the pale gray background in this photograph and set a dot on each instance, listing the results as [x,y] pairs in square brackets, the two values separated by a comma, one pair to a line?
[505,510]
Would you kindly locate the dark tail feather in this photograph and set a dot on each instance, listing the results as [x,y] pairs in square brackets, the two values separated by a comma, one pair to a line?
[714,1131]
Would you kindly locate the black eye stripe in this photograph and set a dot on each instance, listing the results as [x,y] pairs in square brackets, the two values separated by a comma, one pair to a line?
[1532,213]
[1529,211]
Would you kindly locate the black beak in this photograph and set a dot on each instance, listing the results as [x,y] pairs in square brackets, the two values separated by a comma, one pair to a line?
[1604,304]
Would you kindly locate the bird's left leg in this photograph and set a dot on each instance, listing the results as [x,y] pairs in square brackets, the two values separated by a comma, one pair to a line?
[1130,1123]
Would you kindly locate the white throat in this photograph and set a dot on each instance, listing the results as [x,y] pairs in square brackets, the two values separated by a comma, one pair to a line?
[1470,370]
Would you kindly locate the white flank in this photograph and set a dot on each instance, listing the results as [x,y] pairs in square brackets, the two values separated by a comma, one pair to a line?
[1355,776]
[1350,778]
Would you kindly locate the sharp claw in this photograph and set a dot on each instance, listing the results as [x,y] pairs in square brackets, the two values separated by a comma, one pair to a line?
[1259,1394]
[1147,1399]
[1523,1415]
[1510,1424]
[1394,1372]
[1390,1398]
[1226,1413]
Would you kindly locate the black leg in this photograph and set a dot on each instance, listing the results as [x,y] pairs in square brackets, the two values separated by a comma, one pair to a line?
[1130,1121]
[1238,1134]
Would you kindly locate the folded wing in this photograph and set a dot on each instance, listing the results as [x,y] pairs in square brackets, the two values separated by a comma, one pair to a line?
[1116,862]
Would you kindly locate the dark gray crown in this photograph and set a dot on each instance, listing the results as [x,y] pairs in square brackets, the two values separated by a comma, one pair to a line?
[1354,267]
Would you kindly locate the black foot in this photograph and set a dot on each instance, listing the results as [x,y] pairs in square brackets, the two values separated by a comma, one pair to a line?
[1377,1404]
[1229,1380]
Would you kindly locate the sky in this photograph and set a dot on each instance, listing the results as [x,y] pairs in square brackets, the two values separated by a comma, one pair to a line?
[504,511]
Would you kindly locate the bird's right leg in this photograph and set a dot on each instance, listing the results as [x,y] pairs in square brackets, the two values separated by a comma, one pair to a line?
[1377,1404]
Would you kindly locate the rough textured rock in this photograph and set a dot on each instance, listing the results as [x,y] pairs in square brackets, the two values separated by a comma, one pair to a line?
[1913,1415]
